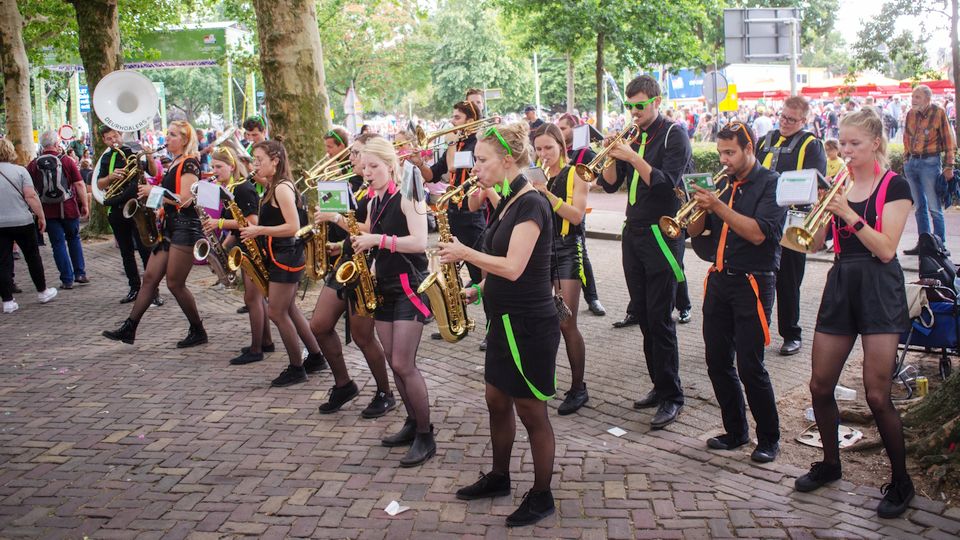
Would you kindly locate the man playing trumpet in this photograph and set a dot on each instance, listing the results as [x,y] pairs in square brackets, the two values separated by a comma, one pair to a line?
[745,227]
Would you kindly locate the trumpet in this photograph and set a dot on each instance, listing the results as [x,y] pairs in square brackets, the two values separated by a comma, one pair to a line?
[591,171]
[802,237]
[462,131]
[458,194]
[689,213]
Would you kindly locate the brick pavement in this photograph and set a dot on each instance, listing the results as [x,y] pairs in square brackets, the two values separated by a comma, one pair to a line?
[106,440]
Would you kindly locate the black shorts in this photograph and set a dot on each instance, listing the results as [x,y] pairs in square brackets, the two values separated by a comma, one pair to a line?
[179,230]
[537,340]
[286,261]
[863,296]
[397,304]
[570,258]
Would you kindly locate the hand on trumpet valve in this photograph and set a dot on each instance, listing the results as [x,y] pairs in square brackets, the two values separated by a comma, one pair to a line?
[250,231]
[367,241]
[621,151]
[706,199]
[839,207]
[452,252]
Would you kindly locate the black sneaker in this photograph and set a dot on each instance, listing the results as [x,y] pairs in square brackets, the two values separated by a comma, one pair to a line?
[382,403]
[266,348]
[489,485]
[573,401]
[820,474]
[290,376]
[157,300]
[338,397]
[684,316]
[243,309]
[436,335]
[483,344]
[727,442]
[896,498]
[915,250]
[246,358]
[534,507]
[131,296]
[314,362]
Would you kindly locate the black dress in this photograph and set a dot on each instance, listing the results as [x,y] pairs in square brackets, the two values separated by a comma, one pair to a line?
[524,330]
[181,226]
[285,254]
[398,274]
[568,238]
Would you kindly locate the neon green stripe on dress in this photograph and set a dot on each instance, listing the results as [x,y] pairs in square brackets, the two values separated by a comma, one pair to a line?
[515,352]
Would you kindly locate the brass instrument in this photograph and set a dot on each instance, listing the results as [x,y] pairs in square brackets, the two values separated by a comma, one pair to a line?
[688,213]
[444,287]
[314,238]
[462,131]
[355,275]
[210,245]
[591,171]
[131,168]
[801,238]
[251,262]
[144,218]
[458,194]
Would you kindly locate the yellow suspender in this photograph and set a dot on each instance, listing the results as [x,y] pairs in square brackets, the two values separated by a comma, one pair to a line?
[565,227]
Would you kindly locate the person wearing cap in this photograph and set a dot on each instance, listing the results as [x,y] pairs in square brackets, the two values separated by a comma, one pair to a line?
[530,113]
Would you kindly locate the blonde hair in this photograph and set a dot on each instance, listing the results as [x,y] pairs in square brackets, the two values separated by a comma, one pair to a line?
[868,121]
[8,153]
[517,138]
[226,155]
[191,147]
[384,151]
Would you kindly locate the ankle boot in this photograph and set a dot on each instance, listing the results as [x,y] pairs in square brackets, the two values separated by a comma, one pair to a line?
[126,333]
[196,336]
[404,436]
[422,449]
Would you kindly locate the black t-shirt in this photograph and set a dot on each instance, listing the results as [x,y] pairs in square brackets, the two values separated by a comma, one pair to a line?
[532,293]
[247,200]
[559,185]
[897,190]
[190,166]
[118,159]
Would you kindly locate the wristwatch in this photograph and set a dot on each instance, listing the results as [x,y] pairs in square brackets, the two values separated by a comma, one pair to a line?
[858,225]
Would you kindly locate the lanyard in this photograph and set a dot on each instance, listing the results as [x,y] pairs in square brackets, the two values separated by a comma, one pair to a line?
[723,231]
[636,173]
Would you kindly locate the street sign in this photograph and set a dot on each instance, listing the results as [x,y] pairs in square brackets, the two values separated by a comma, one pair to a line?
[84,99]
[714,87]
[492,93]
[730,103]
[759,35]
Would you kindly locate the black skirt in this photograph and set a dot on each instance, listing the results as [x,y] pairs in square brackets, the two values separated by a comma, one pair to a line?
[863,296]
[570,257]
[399,304]
[537,340]
[286,260]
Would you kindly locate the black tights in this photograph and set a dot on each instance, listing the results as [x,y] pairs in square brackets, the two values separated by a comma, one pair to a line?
[830,353]
[572,338]
[323,324]
[503,430]
[259,325]
[290,322]
[401,339]
[175,265]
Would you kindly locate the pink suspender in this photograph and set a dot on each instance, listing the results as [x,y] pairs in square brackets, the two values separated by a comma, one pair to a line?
[881,201]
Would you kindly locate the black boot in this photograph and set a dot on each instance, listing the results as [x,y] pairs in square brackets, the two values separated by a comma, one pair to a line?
[535,506]
[404,436]
[126,333]
[196,336]
[422,449]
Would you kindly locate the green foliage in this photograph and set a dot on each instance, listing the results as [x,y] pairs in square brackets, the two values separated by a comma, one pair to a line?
[902,55]
[191,92]
[553,83]
[828,51]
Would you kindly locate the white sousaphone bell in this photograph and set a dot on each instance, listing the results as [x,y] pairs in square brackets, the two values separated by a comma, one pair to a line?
[125,101]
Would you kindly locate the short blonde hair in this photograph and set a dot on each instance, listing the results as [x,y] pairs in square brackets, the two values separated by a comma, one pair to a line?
[8,154]
[192,146]
[384,151]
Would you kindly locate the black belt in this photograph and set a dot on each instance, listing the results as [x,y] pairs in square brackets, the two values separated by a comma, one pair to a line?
[731,272]
[923,156]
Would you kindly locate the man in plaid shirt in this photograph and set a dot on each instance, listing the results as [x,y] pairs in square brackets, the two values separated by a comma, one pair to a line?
[929,147]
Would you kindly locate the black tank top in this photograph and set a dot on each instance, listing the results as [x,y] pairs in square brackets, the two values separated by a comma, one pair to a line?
[558,185]
[186,166]
[270,215]
[387,218]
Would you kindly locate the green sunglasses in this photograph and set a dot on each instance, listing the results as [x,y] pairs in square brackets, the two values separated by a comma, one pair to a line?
[333,134]
[640,105]
[493,131]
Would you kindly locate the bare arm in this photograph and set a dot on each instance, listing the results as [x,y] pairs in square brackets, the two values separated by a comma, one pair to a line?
[523,239]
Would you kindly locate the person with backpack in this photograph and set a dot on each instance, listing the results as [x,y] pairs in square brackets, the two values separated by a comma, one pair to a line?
[63,195]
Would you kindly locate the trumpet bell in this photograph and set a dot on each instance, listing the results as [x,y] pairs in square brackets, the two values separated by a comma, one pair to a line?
[585,173]
[797,239]
[126,101]
[670,226]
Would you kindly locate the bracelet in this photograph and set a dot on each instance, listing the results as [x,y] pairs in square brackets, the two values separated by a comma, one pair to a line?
[479,293]
[383,239]
[558,205]
[220,224]
[393,246]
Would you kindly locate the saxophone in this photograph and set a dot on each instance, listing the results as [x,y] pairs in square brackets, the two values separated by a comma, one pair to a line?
[314,238]
[210,245]
[144,218]
[355,275]
[252,261]
[445,288]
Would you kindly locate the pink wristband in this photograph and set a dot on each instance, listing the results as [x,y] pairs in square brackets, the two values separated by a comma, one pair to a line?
[393,246]
[383,240]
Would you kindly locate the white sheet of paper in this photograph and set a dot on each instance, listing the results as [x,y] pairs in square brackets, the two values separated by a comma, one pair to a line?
[463,160]
[581,137]
[155,199]
[208,195]
[797,187]
[617,432]
[394,508]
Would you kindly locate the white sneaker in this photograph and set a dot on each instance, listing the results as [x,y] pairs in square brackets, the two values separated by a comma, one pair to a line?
[47,295]
[11,306]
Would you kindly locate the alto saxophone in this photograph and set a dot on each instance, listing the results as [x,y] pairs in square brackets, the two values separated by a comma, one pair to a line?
[314,238]
[252,261]
[145,220]
[210,245]
[355,275]
[445,288]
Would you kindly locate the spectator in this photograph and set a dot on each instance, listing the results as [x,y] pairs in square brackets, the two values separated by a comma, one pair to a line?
[834,163]
[530,113]
[763,124]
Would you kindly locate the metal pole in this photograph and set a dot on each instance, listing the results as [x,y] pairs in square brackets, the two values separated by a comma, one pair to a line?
[793,56]
[536,83]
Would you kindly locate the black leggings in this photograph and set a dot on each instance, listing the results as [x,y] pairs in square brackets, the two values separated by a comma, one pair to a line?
[26,237]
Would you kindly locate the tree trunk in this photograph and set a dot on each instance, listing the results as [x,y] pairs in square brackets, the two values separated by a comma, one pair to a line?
[570,94]
[600,111]
[99,39]
[16,81]
[291,60]
[955,56]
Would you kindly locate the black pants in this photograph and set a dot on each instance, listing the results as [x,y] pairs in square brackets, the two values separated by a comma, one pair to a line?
[682,300]
[732,330]
[26,237]
[590,287]
[653,287]
[128,240]
[789,279]
[468,227]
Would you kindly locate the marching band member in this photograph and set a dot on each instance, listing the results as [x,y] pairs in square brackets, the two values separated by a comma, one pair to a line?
[173,256]
[225,165]
[279,221]
[334,142]
[524,329]
[567,194]
[864,295]
[738,299]
[332,302]
[652,167]
[397,226]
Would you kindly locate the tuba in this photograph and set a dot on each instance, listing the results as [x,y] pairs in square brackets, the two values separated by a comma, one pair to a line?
[355,275]
[252,261]
[445,287]
[314,238]
[688,213]
[802,237]
[591,171]
[210,245]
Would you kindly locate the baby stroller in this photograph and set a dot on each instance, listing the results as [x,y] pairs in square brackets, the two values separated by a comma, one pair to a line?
[934,311]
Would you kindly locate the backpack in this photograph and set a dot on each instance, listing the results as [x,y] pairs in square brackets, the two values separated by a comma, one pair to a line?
[934,261]
[53,187]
